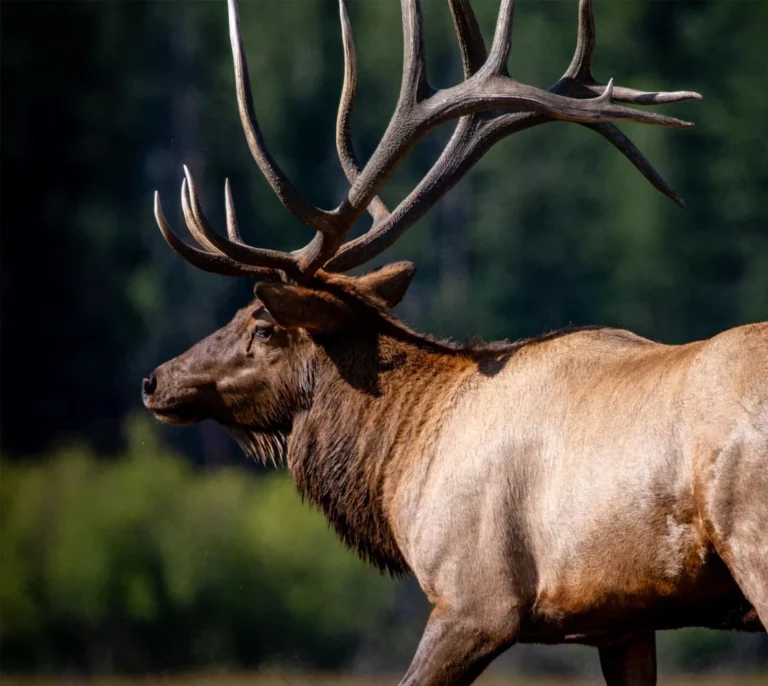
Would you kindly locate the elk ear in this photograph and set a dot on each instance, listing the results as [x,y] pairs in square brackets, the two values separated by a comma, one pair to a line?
[295,306]
[388,283]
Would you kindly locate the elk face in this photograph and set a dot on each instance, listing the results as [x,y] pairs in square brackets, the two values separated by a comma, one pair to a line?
[258,371]
[241,374]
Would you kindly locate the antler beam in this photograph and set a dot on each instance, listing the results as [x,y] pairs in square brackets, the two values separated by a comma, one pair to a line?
[489,105]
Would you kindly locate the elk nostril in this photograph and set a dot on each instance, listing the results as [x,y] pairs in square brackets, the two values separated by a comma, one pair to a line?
[149,385]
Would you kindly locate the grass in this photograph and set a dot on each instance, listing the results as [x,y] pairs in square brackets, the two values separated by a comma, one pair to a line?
[288,679]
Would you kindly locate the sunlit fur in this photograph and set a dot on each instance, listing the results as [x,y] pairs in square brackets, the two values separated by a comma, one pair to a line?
[585,486]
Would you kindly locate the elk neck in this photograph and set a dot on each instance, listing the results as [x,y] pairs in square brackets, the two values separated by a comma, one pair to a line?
[378,404]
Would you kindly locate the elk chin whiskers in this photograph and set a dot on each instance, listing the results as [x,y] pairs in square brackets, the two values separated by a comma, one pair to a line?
[268,446]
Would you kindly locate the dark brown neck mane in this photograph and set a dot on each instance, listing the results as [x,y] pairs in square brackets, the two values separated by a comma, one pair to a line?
[374,396]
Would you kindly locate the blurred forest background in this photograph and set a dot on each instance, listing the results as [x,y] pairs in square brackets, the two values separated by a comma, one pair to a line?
[131,547]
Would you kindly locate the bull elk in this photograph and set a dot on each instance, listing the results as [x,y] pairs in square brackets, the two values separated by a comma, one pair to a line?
[586,487]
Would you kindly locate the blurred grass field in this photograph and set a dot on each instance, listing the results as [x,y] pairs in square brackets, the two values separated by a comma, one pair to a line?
[330,679]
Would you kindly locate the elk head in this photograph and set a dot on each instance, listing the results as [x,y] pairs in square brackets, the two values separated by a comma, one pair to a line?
[257,371]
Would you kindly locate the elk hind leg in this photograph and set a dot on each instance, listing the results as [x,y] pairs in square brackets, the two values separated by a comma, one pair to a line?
[630,662]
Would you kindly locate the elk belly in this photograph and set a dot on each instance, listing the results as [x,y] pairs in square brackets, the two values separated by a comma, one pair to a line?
[618,577]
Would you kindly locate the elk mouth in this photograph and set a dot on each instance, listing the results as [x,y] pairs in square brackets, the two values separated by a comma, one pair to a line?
[182,415]
[176,411]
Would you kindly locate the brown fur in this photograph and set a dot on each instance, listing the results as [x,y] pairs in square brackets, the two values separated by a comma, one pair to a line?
[585,486]
[386,396]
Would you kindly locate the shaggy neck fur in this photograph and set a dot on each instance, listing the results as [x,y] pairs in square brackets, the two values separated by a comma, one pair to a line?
[378,403]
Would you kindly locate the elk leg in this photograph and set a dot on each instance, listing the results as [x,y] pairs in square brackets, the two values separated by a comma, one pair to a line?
[631,662]
[456,647]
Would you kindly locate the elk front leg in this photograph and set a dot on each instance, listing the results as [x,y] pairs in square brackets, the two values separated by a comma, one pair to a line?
[631,662]
[458,645]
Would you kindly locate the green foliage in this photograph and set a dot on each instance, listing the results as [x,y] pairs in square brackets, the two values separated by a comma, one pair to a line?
[101,560]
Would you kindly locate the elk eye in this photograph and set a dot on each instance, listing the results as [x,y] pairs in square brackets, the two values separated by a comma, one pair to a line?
[263,330]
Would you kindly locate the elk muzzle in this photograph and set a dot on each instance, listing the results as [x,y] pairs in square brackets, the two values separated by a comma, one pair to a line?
[172,396]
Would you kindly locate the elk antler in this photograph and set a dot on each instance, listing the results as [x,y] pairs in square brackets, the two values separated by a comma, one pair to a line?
[489,105]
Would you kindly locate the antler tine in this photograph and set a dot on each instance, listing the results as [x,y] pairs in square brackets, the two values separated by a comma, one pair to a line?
[232,229]
[192,223]
[344,145]
[471,43]
[239,252]
[496,93]
[580,69]
[308,214]
[406,125]
[415,86]
[627,148]
[502,38]
[581,64]
[209,262]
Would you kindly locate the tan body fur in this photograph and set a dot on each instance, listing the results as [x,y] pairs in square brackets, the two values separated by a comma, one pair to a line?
[591,486]
[609,435]
[584,490]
